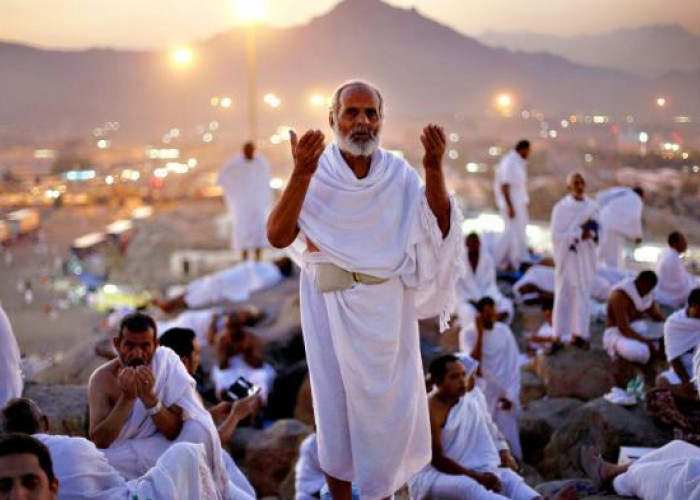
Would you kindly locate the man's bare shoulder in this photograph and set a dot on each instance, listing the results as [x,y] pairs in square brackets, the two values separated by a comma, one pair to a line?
[104,375]
[438,410]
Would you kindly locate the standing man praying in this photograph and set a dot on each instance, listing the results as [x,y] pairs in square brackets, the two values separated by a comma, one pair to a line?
[382,250]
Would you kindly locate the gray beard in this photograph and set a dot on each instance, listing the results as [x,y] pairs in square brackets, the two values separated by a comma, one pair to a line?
[354,148]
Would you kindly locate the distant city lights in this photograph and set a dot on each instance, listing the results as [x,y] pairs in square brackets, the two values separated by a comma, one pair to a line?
[207,137]
[272,100]
[102,143]
[80,175]
[163,154]
[276,183]
[661,102]
[643,137]
[226,102]
[318,100]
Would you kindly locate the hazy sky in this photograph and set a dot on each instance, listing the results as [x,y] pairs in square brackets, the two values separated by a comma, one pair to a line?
[164,23]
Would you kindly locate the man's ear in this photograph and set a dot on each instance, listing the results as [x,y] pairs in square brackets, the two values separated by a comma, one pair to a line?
[331,121]
[45,422]
[53,487]
[115,343]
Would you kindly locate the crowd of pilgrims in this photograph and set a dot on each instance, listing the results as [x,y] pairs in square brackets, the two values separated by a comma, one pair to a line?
[160,424]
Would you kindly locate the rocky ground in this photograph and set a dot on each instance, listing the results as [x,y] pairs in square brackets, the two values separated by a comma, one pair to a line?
[563,408]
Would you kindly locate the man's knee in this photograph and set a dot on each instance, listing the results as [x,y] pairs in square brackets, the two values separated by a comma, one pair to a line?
[634,351]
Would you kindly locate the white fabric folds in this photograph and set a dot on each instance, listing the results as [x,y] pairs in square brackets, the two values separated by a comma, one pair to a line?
[362,342]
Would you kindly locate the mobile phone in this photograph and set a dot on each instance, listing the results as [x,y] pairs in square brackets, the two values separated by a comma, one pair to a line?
[240,389]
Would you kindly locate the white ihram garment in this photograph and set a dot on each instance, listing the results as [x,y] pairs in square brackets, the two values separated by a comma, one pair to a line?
[235,284]
[632,350]
[308,475]
[139,444]
[500,376]
[467,439]
[620,220]
[512,248]
[681,339]
[246,185]
[84,473]
[670,473]
[362,342]
[10,372]
[477,284]
[675,283]
[575,266]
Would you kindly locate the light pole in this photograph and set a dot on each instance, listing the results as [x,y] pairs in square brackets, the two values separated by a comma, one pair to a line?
[250,13]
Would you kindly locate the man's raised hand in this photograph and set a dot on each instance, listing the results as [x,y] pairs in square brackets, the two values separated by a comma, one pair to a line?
[128,383]
[306,151]
[434,144]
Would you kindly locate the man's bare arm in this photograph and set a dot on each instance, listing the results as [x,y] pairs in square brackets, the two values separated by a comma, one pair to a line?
[679,368]
[434,142]
[619,306]
[439,460]
[282,225]
[655,313]
[106,422]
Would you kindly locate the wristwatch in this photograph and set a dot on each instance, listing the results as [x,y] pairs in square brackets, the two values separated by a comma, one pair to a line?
[154,409]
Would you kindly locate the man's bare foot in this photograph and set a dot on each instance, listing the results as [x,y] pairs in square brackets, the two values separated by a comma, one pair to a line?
[598,470]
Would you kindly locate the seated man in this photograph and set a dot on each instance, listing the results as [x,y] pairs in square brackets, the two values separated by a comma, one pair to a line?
[671,472]
[144,400]
[542,340]
[537,284]
[26,469]
[675,283]
[627,335]
[465,460]
[479,281]
[239,353]
[492,344]
[235,284]
[84,472]
[10,370]
[681,339]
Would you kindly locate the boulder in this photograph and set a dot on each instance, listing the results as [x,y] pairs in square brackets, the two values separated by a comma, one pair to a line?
[603,425]
[66,407]
[76,366]
[583,488]
[571,372]
[537,423]
[532,387]
[270,456]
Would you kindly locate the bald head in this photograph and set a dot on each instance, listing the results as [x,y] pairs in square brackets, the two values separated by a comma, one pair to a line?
[576,185]
[356,118]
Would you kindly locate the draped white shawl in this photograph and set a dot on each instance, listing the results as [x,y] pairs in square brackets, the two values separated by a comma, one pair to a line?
[629,288]
[10,372]
[569,249]
[681,334]
[500,367]
[480,282]
[381,225]
[621,211]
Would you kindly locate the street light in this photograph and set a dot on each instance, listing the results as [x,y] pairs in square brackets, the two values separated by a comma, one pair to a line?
[504,102]
[661,102]
[318,100]
[250,13]
[182,57]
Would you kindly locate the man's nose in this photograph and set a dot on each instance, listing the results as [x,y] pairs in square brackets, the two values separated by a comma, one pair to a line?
[362,118]
[18,492]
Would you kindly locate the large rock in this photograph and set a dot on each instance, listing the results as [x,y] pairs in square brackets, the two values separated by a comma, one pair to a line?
[603,425]
[65,406]
[76,366]
[582,487]
[538,422]
[271,455]
[575,373]
[532,387]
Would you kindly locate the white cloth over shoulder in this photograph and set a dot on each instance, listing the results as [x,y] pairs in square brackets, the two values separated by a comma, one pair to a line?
[362,342]
[84,473]
[235,284]
[620,219]
[629,288]
[670,473]
[675,283]
[512,170]
[477,284]
[140,444]
[575,266]
[681,334]
[10,371]
[500,376]
[308,475]
[246,185]
[467,439]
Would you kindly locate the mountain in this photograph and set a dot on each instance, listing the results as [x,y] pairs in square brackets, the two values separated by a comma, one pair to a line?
[426,70]
[648,51]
